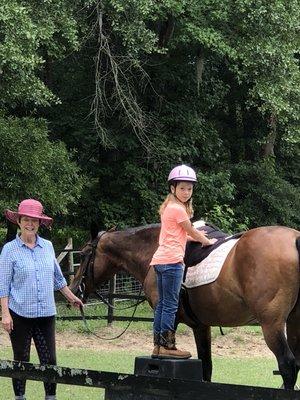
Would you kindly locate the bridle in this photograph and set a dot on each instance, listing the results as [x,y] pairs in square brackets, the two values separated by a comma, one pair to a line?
[88,266]
[88,273]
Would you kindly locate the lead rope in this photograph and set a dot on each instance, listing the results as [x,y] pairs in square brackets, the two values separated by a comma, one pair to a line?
[129,322]
[103,299]
[112,338]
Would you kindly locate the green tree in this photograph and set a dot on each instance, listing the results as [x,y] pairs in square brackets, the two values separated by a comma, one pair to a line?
[264,196]
[211,83]
[32,166]
[32,35]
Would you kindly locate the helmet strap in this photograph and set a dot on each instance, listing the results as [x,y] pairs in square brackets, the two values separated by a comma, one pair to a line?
[172,188]
[174,185]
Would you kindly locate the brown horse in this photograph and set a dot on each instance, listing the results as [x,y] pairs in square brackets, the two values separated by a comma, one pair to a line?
[259,281]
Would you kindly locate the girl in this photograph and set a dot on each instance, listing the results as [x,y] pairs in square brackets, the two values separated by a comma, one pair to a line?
[175,213]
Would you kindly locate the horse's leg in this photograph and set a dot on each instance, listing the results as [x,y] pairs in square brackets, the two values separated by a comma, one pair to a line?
[202,335]
[275,338]
[293,333]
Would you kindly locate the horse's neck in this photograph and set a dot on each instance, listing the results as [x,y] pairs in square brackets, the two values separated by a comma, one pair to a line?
[133,253]
[144,273]
[137,268]
[137,253]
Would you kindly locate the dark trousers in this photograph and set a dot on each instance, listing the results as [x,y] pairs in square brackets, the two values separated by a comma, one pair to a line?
[42,331]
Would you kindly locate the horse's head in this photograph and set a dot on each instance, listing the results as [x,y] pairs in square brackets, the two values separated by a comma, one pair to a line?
[95,266]
[109,252]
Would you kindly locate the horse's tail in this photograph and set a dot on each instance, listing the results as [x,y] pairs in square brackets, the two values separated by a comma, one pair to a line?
[298,246]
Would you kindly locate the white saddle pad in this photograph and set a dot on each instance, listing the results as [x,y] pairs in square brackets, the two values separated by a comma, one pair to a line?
[209,269]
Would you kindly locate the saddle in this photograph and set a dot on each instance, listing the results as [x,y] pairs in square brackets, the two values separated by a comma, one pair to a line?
[195,253]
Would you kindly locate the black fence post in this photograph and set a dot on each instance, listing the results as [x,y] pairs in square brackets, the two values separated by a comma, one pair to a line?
[111,299]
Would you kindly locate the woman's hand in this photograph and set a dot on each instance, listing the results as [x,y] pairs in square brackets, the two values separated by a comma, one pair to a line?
[70,296]
[7,322]
[76,302]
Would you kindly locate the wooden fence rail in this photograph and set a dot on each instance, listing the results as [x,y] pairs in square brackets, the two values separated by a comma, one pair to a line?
[69,252]
[120,386]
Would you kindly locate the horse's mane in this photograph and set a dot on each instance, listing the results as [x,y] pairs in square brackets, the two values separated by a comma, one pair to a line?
[140,240]
[138,229]
[197,224]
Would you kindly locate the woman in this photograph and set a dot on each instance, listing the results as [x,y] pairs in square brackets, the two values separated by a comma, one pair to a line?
[176,229]
[29,274]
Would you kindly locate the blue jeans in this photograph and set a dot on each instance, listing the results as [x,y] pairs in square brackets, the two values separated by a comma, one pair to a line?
[169,279]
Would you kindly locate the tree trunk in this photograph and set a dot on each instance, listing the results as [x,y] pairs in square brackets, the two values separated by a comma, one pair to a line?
[199,67]
[268,147]
[166,29]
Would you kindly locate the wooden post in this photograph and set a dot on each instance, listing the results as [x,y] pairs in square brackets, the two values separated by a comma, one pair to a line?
[111,300]
[63,254]
[71,260]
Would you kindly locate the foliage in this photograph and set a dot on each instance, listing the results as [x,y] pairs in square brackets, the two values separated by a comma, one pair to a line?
[264,196]
[256,51]
[32,35]
[60,236]
[138,86]
[225,219]
[213,118]
[32,166]
[2,235]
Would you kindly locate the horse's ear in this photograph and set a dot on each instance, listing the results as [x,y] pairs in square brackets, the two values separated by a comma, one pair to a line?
[94,229]
[112,229]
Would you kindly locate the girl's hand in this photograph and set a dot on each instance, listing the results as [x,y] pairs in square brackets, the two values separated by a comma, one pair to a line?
[198,236]
[7,323]
[209,242]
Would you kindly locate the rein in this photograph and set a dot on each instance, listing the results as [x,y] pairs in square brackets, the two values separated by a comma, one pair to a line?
[103,300]
[120,334]
[89,271]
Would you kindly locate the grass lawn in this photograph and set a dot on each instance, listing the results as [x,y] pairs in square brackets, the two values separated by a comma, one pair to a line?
[247,371]
[256,371]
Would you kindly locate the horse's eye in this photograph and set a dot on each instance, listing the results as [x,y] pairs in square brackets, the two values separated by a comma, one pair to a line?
[82,255]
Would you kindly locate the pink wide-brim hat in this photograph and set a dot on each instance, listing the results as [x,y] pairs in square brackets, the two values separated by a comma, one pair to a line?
[29,208]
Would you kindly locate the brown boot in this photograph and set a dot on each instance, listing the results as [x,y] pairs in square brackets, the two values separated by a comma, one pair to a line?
[156,342]
[168,348]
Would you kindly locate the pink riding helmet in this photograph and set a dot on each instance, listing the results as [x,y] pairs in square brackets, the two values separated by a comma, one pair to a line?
[182,173]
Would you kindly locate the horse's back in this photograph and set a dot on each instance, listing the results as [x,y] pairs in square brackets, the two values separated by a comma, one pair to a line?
[267,245]
[260,273]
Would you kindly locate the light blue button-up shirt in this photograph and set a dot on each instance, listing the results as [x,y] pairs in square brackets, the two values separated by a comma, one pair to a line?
[29,277]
